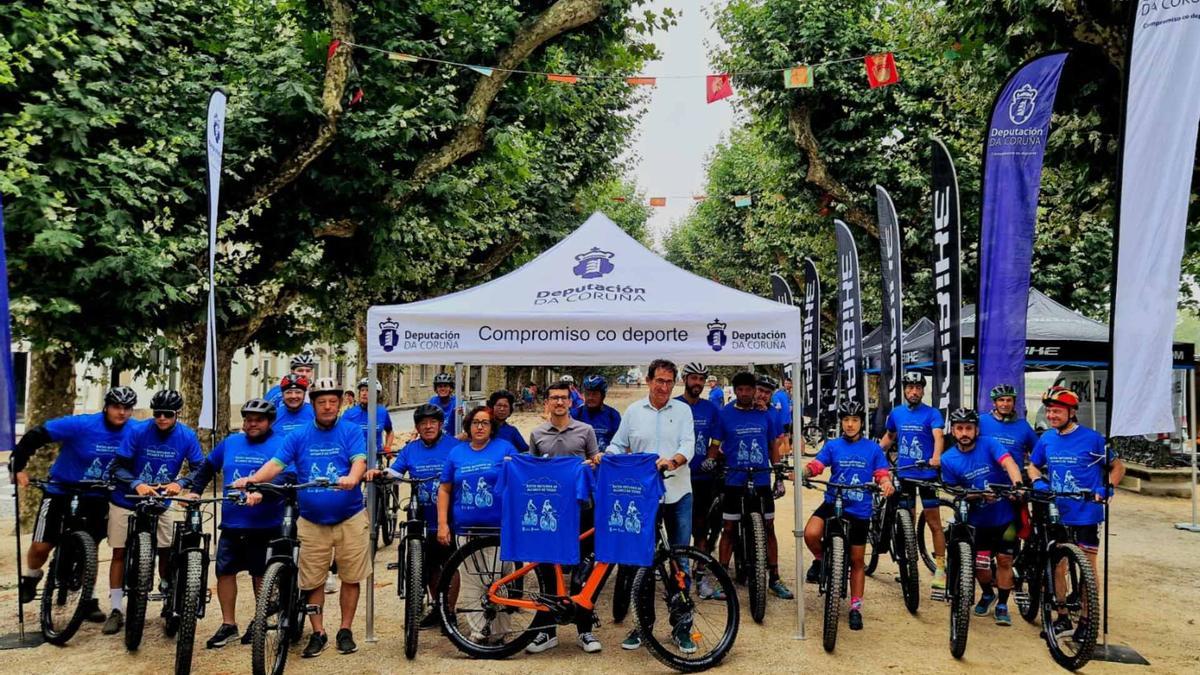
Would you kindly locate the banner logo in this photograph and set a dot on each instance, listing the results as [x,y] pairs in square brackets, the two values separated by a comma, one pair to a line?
[941,288]
[389,335]
[849,329]
[810,301]
[1024,102]
[716,335]
[593,264]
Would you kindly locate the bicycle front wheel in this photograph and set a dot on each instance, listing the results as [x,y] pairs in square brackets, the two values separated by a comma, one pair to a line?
[273,618]
[193,586]
[904,549]
[835,589]
[622,592]
[693,634]
[875,534]
[1027,584]
[69,584]
[414,594]
[139,561]
[756,583]
[963,589]
[1070,589]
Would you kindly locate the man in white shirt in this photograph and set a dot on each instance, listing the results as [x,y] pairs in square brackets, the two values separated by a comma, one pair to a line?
[662,425]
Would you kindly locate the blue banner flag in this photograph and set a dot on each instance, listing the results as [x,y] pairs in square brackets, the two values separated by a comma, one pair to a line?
[8,387]
[1012,176]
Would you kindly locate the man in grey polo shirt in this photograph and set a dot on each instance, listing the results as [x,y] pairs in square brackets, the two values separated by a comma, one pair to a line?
[564,436]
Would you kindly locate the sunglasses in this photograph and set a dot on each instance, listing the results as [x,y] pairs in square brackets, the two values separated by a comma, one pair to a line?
[169,414]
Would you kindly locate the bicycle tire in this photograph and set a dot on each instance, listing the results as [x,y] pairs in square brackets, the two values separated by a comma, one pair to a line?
[645,594]
[927,556]
[414,599]
[714,521]
[622,592]
[964,594]
[193,586]
[73,567]
[835,558]
[1027,589]
[464,643]
[1077,564]
[904,549]
[756,582]
[875,535]
[386,518]
[275,596]
[140,558]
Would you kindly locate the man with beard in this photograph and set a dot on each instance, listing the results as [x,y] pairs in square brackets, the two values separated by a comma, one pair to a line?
[604,419]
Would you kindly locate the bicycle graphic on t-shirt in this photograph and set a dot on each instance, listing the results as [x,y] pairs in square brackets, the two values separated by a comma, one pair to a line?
[483,494]
[633,519]
[616,520]
[549,519]
[529,521]
[756,455]
[95,471]
[466,496]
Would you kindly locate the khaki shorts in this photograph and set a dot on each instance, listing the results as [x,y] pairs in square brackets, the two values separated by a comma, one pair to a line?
[346,543]
[118,525]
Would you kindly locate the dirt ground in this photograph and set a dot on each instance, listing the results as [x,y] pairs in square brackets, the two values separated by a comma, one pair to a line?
[1155,586]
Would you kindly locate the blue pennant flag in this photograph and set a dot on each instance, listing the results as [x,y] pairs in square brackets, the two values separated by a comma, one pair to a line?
[8,388]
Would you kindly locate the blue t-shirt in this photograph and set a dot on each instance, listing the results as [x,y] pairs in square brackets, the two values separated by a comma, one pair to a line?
[447,407]
[275,396]
[716,396]
[1075,462]
[317,452]
[88,447]
[508,432]
[628,491]
[704,420]
[540,509]
[605,422]
[357,414]
[746,437]
[236,457]
[852,464]
[157,457]
[473,475]
[419,460]
[975,470]
[914,431]
[1017,437]
[287,421]
[783,403]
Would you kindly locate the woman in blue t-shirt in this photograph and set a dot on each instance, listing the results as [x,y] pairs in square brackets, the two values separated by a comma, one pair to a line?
[467,495]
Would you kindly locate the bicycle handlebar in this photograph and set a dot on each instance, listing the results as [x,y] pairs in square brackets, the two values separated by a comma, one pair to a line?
[810,482]
[79,486]
[287,488]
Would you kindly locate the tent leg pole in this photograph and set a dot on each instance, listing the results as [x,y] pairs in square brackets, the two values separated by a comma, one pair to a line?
[372,495]
[1191,379]
[797,496]
[1093,394]
[458,397]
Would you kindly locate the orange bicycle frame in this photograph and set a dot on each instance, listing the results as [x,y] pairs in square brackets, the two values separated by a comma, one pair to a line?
[585,598]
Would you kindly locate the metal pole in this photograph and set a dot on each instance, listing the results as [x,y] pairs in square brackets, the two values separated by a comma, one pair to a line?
[20,605]
[797,497]
[1191,394]
[372,452]
[1092,393]
[458,397]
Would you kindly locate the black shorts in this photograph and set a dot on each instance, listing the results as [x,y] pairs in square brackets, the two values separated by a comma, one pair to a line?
[1001,539]
[929,496]
[1087,537]
[858,526]
[244,550]
[704,493]
[436,553]
[731,502]
[53,510]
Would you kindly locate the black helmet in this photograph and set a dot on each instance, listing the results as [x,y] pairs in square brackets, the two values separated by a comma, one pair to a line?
[767,382]
[744,379]
[1002,390]
[595,383]
[305,360]
[964,416]
[852,408]
[125,396]
[913,377]
[443,378]
[167,399]
[260,406]
[426,411]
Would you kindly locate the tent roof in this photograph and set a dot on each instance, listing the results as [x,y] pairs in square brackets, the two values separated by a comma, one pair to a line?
[596,297]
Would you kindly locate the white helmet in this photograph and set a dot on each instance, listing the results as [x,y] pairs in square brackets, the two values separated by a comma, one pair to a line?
[568,379]
[695,368]
[325,385]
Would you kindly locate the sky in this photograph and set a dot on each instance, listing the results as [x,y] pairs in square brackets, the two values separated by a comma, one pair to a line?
[679,129]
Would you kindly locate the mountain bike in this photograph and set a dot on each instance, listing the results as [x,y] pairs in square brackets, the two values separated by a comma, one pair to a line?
[141,549]
[1046,556]
[71,578]
[280,610]
[187,594]
[489,607]
[891,531]
[960,566]
[412,575]
[387,507]
[835,544]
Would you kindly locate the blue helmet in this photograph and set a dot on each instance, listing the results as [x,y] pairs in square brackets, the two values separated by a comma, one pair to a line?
[595,383]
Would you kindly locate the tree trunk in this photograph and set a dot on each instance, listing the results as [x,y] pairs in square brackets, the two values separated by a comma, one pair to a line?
[191,358]
[51,394]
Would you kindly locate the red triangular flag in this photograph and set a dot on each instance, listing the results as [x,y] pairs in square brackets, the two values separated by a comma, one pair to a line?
[332,49]
[881,70]
[719,87]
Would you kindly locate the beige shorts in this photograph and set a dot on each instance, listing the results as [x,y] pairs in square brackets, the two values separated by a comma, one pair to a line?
[346,543]
[118,525]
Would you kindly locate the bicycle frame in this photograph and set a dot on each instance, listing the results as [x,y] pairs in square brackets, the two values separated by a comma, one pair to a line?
[144,518]
[190,536]
[585,598]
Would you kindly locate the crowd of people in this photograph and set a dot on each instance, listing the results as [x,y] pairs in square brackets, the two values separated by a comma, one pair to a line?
[303,430]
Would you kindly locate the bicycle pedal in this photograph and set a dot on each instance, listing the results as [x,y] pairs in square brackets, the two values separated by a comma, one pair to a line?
[1021,596]
[937,595]
[312,609]
[156,597]
[207,595]
[393,566]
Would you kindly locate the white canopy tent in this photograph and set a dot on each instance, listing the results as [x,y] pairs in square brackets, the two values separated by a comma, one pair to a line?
[598,297]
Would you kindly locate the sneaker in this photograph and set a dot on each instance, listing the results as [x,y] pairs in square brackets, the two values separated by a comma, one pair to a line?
[781,590]
[248,636]
[589,643]
[1002,617]
[431,621]
[684,642]
[94,613]
[331,584]
[814,573]
[984,604]
[1063,627]
[632,641]
[345,641]
[939,578]
[316,644]
[705,588]
[224,634]
[855,620]
[541,642]
[114,623]
[29,584]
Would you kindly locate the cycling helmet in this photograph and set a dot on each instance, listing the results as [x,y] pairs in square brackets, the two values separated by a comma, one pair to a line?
[964,416]
[913,378]
[443,378]
[744,379]
[695,368]
[305,360]
[1002,390]
[125,396]
[293,381]
[767,382]
[325,385]
[568,379]
[167,399]
[1060,396]
[852,408]
[364,383]
[426,411]
[595,383]
[260,406]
